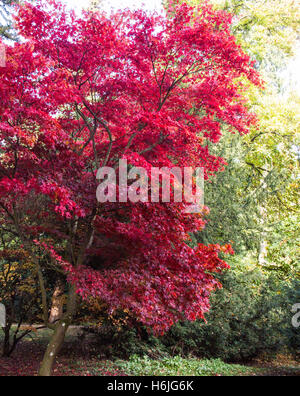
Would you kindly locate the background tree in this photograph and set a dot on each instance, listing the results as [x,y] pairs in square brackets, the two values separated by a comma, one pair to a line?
[263,176]
[17,292]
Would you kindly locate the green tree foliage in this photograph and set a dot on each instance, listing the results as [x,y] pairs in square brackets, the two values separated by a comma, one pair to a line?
[255,202]
[266,29]
[235,220]
[256,198]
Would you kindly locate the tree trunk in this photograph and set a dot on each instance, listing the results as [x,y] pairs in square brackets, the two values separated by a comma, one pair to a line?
[53,349]
[263,252]
[57,305]
[58,337]
[6,342]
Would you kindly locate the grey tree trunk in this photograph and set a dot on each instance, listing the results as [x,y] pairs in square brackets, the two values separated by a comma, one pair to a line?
[58,337]
[57,303]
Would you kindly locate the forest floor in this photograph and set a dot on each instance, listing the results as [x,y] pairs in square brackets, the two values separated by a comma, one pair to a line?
[81,359]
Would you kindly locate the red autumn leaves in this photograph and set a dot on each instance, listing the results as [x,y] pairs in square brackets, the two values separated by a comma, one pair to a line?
[80,92]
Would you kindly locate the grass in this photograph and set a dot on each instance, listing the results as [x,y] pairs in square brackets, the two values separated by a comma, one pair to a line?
[178,366]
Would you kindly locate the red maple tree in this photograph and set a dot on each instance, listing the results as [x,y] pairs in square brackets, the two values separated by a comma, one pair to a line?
[81,92]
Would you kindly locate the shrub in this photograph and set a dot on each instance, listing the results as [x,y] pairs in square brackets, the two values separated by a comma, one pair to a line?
[250,316]
[113,342]
[292,333]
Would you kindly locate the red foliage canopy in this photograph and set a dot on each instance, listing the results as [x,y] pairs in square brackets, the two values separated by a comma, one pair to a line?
[79,92]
